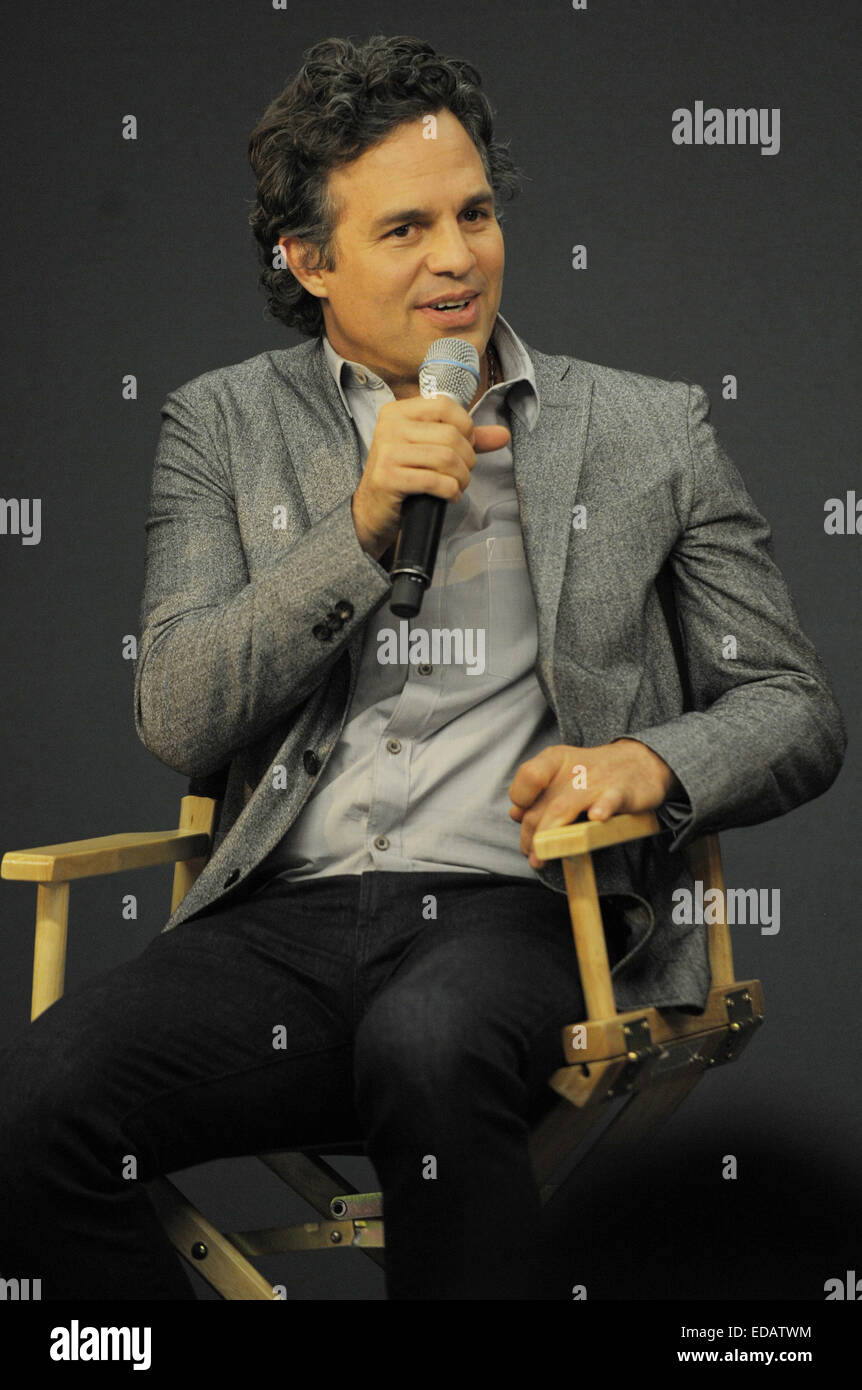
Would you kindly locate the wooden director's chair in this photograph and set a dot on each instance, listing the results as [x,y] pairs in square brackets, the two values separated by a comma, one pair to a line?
[650,1057]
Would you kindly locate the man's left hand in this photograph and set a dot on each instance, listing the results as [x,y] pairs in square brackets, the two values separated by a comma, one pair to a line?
[620,778]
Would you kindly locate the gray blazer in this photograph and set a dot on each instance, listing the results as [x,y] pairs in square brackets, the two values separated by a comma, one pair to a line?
[250,544]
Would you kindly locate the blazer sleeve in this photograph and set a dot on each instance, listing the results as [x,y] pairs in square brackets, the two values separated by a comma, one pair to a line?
[765,733]
[223,658]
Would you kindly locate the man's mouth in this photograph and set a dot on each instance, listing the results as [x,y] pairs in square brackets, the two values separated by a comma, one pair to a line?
[463,311]
[449,304]
[452,304]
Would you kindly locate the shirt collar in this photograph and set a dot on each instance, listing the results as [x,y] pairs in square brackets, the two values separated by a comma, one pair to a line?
[519,378]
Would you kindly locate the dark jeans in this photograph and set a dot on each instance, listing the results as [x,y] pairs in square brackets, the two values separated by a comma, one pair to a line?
[302,1013]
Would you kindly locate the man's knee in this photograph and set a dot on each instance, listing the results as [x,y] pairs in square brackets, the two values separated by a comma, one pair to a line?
[413,1044]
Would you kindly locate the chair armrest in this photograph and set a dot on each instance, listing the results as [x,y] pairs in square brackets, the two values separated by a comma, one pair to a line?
[585,836]
[574,845]
[106,854]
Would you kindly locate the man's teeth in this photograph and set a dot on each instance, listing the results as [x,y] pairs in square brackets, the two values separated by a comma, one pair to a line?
[453,304]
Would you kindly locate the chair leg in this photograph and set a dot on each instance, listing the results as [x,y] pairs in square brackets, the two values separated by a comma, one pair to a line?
[208,1252]
[613,1158]
[49,951]
[317,1183]
[562,1129]
[312,1177]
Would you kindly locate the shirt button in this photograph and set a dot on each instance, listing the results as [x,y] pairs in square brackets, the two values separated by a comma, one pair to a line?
[424,669]
[394,745]
[311,762]
[381,842]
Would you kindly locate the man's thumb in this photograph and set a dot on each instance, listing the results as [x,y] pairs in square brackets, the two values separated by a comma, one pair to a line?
[486,438]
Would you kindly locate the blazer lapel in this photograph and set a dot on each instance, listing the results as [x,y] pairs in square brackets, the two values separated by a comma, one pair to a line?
[547,466]
[318,434]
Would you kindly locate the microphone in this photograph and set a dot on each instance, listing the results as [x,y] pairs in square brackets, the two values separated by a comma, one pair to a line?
[450,367]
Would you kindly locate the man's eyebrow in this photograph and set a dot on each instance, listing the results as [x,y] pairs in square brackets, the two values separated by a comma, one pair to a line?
[485,195]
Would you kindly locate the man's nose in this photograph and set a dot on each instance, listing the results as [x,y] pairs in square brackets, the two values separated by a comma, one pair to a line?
[450,251]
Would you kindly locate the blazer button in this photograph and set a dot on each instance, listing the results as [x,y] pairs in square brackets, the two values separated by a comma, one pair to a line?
[322,631]
[231,878]
[335,620]
[311,762]
[344,609]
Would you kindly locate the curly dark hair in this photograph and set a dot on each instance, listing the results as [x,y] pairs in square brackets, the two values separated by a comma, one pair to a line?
[344,99]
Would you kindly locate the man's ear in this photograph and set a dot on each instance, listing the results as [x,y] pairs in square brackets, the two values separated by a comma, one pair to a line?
[298,255]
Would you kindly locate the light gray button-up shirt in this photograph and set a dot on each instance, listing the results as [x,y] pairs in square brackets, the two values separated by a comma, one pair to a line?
[447,705]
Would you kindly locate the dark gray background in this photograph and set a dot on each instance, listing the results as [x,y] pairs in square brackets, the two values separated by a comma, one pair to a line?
[136,257]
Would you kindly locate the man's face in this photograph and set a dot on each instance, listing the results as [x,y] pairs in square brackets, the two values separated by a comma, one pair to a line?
[416,223]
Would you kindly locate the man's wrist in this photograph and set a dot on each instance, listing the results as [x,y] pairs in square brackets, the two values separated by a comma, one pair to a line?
[368,541]
[363,535]
[670,783]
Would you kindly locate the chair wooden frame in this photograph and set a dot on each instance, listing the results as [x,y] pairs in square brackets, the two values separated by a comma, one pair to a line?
[650,1058]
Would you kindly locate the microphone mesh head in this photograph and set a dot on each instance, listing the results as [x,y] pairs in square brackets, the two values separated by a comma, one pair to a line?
[450,367]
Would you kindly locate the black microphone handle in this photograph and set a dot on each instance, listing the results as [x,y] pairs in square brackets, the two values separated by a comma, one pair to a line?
[422,517]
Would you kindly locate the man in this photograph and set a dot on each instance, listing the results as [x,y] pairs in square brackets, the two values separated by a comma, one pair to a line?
[373,892]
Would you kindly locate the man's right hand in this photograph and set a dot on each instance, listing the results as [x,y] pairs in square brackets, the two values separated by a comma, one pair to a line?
[420,444]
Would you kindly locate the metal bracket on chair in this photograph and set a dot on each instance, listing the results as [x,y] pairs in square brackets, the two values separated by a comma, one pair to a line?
[639,1048]
[742,1020]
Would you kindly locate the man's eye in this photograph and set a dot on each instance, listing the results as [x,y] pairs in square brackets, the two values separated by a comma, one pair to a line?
[479,212]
